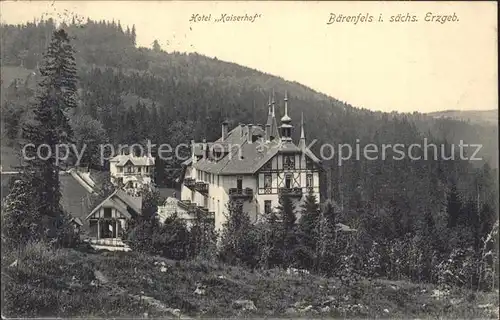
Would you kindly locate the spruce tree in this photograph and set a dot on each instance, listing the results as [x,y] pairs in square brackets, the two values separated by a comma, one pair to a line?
[133,35]
[238,244]
[308,226]
[454,206]
[289,236]
[50,126]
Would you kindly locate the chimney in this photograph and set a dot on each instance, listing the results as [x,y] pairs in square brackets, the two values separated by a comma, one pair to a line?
[242,129]
[250,132]
[150,146]
[193,155]
[224,130]
[204,148]
[268,132]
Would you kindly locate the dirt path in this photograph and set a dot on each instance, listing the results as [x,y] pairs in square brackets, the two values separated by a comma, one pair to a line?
[156,304]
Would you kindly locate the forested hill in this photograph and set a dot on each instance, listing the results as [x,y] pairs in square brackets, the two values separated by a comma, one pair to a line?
[129,94]
[476,116]
[117,78]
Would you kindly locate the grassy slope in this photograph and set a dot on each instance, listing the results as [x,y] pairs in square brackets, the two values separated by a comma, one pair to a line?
[62,283]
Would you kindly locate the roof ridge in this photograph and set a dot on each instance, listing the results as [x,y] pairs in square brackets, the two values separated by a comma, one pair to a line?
[101,203]
[230,153]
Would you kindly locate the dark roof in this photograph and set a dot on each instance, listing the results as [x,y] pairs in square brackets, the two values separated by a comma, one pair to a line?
[75,199]
[125,200]
[245,157]
[77,221]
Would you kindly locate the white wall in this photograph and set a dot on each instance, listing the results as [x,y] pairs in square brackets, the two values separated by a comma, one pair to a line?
[219,186]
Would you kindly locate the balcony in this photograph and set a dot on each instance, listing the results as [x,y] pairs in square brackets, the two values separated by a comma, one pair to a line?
[190,183]
[187,205]
[291,192]
[236,193]
[201,187]
[202,213]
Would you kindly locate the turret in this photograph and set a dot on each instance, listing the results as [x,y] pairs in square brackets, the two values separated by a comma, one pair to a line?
[286,126]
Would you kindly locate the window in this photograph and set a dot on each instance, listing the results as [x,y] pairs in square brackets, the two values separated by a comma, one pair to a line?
[309,163]
[120,169]
[267,206]
[218,181]
[268,180]
[309,180]
[139,169]
[107,212]
[239,182]
[289,162]
[288,181]
[147,169]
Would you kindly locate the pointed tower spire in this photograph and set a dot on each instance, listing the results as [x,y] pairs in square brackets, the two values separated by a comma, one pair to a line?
[273,102]
[286,127]
[286,102]
[302,141]
[286,118]
[269,105]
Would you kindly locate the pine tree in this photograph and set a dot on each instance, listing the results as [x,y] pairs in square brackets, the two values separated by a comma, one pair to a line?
[238,242]
[289,240]
[50,127]
[156,46]
[454,206]
[133,35]
[326,250]
[308,230]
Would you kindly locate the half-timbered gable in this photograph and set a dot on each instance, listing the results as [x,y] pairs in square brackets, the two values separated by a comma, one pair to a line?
[109,218]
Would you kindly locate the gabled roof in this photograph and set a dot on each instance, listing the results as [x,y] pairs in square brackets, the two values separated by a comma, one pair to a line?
[77,221]
[75,198]
[123,159]
[121,201]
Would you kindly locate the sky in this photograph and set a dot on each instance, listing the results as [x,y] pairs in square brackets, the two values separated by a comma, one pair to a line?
[379,65]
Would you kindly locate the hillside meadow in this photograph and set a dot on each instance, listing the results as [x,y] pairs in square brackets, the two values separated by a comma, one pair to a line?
[43,282]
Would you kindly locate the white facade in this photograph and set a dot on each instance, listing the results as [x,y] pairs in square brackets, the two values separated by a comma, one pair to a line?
[172,206]
[132,172]
[265,184]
